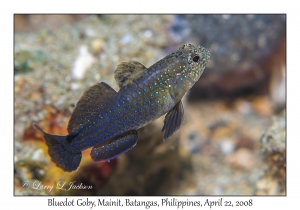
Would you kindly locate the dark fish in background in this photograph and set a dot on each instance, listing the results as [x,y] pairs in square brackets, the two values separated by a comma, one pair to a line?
[107,120]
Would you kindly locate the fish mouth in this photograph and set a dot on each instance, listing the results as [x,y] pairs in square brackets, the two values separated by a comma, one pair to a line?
[205,54]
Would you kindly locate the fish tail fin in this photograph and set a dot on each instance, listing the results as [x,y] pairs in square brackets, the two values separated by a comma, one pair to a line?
[59,155]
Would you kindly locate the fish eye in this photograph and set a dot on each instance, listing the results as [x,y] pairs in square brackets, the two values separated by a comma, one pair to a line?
[196,58]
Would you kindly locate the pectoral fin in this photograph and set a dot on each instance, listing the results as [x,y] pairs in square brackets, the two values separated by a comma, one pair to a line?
[173,120]
[115,147]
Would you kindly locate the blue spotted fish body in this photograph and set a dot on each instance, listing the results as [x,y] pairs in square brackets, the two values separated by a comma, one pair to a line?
[107,120]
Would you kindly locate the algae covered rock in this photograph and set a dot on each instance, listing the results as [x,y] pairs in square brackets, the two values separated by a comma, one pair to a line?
[273,148]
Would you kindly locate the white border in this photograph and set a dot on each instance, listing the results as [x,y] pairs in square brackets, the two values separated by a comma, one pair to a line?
[154,6]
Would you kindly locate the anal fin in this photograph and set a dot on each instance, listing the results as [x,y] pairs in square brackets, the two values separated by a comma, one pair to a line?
[115,147]
[173,120]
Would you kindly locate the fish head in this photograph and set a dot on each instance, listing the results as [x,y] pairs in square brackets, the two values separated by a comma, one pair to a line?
[194,60]
[189,63]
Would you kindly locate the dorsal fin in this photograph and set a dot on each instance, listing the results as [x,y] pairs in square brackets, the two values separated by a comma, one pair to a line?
[90,105]
[126,72]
